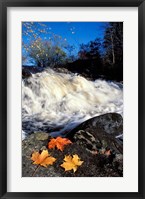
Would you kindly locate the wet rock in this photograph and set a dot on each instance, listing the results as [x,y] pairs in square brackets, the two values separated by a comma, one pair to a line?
[96,164]
[26,73]
[41,136]
[62,70]
[99,132]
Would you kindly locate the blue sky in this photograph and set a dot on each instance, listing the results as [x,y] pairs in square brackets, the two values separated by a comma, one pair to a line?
[74,33]
[82,32]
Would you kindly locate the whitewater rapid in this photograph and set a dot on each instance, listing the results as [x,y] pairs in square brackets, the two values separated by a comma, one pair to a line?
[57,102]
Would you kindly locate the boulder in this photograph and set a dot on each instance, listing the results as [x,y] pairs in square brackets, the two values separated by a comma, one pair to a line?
[92,141]
[27,71]
[99,132]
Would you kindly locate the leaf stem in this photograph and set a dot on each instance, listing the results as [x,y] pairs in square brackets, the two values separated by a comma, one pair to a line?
[35,170]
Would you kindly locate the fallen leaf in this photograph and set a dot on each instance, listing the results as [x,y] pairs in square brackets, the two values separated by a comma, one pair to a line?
[71,163]
[59,143]
[42,159]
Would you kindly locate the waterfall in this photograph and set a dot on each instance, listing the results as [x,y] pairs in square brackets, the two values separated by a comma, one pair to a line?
[57,102]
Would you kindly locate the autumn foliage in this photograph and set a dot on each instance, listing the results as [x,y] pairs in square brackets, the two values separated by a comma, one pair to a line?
[71,163]
[43,159]
[59,143]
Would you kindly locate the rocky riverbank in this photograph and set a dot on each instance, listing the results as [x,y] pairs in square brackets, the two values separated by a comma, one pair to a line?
[94,141]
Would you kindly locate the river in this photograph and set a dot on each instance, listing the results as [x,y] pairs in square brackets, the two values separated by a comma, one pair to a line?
[57,102]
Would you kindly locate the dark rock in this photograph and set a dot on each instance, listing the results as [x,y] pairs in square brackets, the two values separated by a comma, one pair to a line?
[87,68]
[99,132]
[62,70]
[94,165]
[41,136]
[27,71]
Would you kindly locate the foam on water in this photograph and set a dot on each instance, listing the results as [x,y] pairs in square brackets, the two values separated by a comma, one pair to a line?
[52,100]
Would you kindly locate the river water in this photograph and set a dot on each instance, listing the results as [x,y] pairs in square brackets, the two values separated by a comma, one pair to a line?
[57,102]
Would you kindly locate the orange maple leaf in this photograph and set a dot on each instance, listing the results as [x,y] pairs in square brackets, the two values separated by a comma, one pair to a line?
[59,143]
[43,159]
[71,163]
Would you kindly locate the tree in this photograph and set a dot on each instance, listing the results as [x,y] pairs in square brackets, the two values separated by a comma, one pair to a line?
[95,49]
[45,53]
[90,50]
[113,51]
[70,49]
[33,30]
[37,49]
[113,43]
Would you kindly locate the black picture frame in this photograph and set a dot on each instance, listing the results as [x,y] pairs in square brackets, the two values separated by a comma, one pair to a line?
[4,4]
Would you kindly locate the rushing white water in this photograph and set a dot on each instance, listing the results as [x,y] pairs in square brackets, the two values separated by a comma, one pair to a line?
[58,102]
